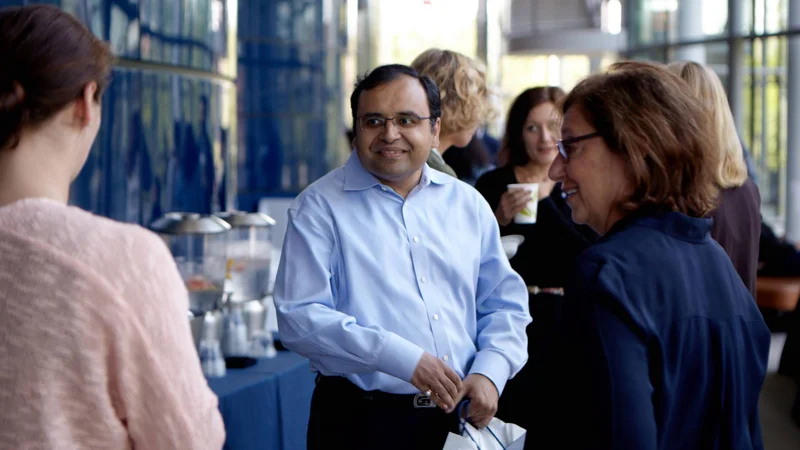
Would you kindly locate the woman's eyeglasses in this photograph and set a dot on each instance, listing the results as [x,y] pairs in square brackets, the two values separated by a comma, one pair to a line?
[565,145]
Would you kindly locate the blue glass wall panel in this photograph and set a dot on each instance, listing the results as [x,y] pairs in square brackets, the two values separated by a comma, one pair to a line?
[289,82]
[171,137]
[160,147]
[169,112]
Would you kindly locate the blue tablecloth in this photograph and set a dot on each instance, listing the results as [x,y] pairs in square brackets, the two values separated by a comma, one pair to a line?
[266,406]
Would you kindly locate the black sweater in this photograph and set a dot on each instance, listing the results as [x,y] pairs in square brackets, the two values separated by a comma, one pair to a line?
[547,257]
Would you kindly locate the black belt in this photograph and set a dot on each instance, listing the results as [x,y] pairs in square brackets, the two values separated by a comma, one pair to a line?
[347,390]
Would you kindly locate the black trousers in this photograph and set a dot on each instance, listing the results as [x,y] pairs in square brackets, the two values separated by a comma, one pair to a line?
[344,416]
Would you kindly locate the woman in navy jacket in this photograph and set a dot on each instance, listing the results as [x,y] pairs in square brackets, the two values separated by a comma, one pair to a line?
[661,345]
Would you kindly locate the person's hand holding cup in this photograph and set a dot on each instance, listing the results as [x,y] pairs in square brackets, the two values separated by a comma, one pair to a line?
[519,203]
[511,202]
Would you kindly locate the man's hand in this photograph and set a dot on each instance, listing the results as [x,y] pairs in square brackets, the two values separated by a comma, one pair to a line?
[483,399]
[433,375]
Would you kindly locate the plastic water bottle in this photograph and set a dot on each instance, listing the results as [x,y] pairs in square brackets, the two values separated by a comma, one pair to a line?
[211,359]
[262,345]
[235,334]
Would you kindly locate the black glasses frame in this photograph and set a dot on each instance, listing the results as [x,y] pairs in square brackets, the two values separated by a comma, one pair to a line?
[392,119]
[563,143]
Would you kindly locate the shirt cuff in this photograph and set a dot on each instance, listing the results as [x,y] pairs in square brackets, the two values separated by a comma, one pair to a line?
[399,357]
[493,366]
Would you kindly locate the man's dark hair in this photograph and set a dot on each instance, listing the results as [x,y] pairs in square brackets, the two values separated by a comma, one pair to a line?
[388,73]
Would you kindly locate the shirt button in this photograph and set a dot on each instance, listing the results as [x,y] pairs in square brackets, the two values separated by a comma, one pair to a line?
[416,239]
[384,188]
[446,358]
[423,279]
[435,317]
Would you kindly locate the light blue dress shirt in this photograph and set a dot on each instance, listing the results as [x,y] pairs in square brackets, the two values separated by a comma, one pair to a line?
[369,281]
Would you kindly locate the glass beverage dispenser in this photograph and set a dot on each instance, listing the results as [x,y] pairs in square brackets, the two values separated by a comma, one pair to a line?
[199,246]
[248,279]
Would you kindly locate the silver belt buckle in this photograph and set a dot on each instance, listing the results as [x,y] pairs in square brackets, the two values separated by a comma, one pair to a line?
[423,401]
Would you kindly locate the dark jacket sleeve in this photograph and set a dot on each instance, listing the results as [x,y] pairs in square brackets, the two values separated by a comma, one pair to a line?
[737,227]
[491,185]
[622,392]
[622,372]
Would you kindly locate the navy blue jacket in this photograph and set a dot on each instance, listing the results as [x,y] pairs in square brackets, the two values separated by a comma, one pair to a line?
[661,346]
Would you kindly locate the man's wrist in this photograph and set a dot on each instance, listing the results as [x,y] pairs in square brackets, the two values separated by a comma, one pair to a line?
[484,379]
[399,357]
[493,366]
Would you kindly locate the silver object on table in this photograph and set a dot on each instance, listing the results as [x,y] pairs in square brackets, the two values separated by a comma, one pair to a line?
[249,252]
[250,258]
[178,223]
[240,219]
[198,245]
[212,359]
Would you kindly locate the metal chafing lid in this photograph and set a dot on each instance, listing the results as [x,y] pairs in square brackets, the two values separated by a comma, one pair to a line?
[189,223]
[241,219]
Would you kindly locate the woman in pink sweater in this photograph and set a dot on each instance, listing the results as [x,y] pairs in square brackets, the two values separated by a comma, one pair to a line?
[95,347]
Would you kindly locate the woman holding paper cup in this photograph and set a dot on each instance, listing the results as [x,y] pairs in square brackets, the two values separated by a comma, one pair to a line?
[661,345]
[526,201]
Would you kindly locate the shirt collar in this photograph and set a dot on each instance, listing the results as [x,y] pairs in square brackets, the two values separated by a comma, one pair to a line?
[673,223]
[435,176]
[357,178]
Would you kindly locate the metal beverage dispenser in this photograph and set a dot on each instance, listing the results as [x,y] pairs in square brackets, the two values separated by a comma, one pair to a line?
[199,246]
[247,282]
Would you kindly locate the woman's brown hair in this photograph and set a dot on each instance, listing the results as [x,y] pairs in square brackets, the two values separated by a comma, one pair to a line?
[646,114]
[48,59]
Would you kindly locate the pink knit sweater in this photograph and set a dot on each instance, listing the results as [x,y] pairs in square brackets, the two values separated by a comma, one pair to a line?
[95,347]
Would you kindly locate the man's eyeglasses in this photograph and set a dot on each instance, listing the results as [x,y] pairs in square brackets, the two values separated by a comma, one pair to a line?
[565,145]
[403,121]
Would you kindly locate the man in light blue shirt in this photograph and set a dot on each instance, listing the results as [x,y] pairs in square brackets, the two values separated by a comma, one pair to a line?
[394,283]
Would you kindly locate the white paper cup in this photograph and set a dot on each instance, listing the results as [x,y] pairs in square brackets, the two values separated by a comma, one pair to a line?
[528,214]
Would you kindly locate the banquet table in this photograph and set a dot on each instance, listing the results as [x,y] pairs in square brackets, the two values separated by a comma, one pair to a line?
[266,406]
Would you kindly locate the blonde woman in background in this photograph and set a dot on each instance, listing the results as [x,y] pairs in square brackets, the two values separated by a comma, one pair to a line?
[737,218]
[465,99]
